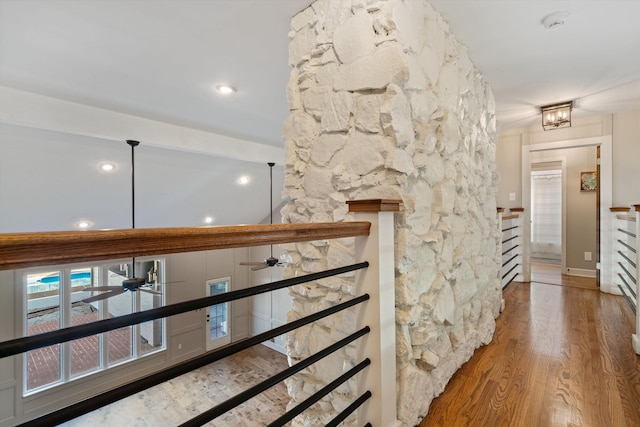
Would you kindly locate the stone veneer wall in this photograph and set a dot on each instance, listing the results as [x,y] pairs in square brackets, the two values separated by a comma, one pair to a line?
[385,103]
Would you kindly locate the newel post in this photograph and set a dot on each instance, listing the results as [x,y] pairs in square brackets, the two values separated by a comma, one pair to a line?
[500,228]
[635,338]
[378,280]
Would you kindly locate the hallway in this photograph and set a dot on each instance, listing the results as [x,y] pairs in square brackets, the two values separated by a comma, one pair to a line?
[561,356]
[543,272]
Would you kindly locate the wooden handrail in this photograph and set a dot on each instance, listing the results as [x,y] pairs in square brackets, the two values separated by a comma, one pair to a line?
[516,209]
[510,216]
[20,250]
[620,209]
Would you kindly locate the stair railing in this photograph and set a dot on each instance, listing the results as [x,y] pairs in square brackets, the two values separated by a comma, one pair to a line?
[626,259]
[375,325]
[512,231]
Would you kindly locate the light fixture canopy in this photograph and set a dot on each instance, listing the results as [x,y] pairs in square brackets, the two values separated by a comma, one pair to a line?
[556,116]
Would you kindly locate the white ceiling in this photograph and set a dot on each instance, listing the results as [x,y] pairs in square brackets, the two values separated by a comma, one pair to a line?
[158,59]
[161,59]
[593,59]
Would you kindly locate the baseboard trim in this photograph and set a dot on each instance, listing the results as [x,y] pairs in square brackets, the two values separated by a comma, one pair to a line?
[274,346]
[581,272]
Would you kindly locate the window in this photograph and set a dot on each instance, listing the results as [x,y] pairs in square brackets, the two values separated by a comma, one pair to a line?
[546,215]
[54,299]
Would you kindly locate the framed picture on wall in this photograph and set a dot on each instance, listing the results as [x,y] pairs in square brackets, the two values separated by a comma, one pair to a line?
[588,181]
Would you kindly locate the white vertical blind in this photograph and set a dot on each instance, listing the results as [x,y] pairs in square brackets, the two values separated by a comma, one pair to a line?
[546,214]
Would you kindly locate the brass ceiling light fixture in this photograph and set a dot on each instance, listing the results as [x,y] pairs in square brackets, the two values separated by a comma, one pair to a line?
[556,116]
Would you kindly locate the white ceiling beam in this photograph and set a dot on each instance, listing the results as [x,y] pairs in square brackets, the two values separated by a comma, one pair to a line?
[42,112]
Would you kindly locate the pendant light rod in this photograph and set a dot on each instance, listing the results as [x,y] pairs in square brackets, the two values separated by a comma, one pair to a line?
[133,144]
[271,191]
[271,164]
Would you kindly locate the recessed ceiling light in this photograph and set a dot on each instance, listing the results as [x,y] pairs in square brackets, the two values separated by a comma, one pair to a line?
[83,225]
[225,89]
[243,180]
[209,220]
[107,167]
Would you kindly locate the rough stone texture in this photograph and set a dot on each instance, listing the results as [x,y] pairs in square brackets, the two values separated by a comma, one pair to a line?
[353,38]
[387,104]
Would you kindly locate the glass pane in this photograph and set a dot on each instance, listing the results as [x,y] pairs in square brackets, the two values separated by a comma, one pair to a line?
[85,352]
[120,340]
[43,315]
[151,296]
[43,366]
[81,278]
[218,326]
[150,332]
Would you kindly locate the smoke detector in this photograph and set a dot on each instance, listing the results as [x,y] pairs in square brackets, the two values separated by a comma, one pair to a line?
[554,20]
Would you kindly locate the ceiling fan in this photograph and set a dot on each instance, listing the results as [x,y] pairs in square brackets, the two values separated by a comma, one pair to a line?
[132,284]
[271,261]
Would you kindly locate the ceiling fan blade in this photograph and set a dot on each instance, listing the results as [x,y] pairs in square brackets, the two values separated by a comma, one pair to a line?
[101,288]
[104,295]
[259,267]
[252,263]
[96,297]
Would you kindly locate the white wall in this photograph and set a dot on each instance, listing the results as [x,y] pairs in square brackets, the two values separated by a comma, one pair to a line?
[624,127]
[269,310]
[10,403]
[626,158]
[51,180]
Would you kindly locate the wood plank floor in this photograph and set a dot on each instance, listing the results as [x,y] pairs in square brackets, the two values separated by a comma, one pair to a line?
[561,356]
[542,272]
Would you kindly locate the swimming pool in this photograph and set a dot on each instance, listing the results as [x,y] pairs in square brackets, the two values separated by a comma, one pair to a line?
[75,275]
[50,281]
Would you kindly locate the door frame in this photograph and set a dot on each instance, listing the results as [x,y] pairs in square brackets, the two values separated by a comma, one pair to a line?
[606,198]
[217,342]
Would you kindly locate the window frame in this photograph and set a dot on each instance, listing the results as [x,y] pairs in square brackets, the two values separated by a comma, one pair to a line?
[100,277]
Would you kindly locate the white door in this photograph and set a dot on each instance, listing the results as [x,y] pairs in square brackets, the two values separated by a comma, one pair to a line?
[217,316]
